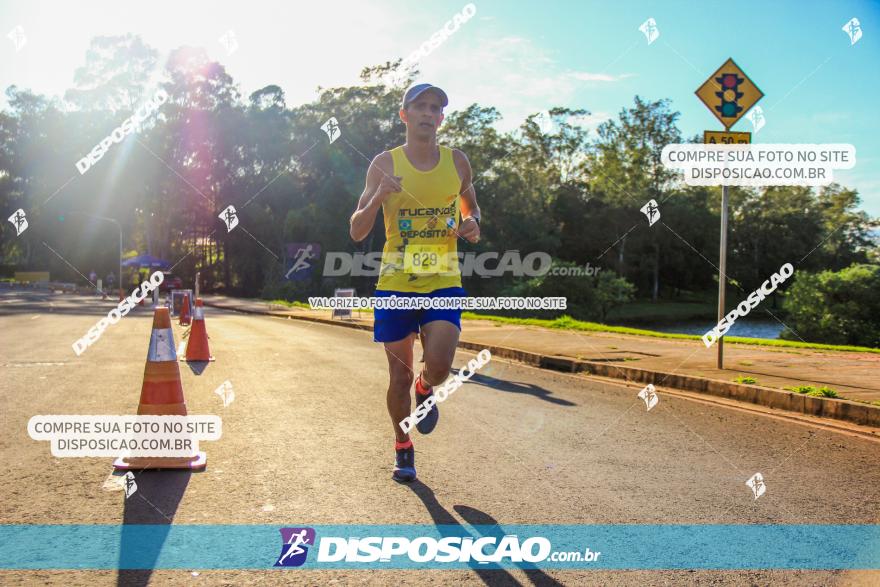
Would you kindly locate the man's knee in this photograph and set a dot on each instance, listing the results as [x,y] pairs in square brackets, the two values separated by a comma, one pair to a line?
[437,369]
[401,378]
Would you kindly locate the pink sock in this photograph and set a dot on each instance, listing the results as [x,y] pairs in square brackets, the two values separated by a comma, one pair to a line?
[399,445]
[420,387]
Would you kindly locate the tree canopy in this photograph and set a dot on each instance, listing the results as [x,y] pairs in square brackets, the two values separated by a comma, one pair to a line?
[554,187]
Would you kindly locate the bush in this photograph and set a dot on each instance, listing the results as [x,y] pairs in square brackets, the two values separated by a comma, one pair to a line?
[587,298]
[813,392]
[801,389]
[835,307]
[611,291]
[745,379]
[823,392]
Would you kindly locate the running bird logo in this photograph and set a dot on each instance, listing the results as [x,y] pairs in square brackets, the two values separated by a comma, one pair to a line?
[391,265]
[650,30]
[294,548]
[649,396]
[652,211]
[756,484]
[300,259]
[230,217]
[19,221]
[854,30]
[129,484]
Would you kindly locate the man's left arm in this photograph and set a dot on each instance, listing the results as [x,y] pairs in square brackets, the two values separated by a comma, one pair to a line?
[470,210]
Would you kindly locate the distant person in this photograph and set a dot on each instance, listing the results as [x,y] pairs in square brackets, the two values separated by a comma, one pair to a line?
[93,277]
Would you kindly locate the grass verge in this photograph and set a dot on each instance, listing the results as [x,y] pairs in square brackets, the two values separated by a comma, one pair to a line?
[569,323]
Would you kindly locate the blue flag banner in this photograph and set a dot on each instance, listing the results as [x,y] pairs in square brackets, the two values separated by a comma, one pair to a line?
[302,546]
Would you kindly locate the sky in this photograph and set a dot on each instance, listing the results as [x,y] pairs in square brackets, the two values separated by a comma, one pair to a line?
[521,57]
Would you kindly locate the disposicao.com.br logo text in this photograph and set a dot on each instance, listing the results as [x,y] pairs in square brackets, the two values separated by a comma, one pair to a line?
[427,550]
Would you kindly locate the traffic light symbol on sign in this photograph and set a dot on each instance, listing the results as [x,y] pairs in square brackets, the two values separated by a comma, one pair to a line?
[729,94]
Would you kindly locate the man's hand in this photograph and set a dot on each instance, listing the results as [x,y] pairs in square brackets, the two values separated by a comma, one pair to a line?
[379,186]
[389,184]
[469,230]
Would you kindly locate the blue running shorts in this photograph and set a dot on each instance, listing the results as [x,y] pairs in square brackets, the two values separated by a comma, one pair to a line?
[393,325]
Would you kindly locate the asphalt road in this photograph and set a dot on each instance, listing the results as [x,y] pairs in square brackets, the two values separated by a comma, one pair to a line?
[308,441]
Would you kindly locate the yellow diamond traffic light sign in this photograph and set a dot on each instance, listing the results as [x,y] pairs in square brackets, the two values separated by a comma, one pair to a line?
[729,93]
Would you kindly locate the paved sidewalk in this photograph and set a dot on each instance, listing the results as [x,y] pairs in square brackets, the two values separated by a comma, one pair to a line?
[855,376]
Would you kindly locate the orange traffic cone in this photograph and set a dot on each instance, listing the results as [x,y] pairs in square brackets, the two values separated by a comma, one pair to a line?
[184,311]
[197,343]
[162,395]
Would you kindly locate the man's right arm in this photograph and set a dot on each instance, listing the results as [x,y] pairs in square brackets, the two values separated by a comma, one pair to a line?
[378,188]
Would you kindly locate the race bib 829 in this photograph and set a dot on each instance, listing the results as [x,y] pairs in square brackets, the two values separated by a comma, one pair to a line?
[426,259]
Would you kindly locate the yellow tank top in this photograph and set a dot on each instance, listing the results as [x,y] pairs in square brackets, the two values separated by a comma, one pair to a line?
[421,253]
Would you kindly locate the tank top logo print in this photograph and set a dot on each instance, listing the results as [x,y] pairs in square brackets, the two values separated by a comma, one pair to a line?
[420,253]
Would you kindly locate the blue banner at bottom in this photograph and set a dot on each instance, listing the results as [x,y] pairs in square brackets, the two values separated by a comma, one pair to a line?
[440,547]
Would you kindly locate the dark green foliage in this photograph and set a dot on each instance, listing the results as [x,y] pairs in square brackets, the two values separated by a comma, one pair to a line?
[570,193]
[836,307]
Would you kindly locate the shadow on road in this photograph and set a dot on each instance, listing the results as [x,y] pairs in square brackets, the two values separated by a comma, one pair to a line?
[514,387]
[475,517]
[443,519]
[155,502]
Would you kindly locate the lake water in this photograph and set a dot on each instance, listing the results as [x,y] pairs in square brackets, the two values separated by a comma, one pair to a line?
[742,327]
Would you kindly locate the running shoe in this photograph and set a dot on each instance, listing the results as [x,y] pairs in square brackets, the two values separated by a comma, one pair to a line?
[405,465]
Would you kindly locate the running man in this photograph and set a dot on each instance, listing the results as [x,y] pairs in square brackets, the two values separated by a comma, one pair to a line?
[295,547]
[302,260]
[427,198]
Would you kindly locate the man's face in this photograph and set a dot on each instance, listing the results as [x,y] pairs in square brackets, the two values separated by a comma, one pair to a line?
[423,115]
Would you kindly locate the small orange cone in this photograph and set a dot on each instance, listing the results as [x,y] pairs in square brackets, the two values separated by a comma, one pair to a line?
[197,343]
[162,395]
[184,311]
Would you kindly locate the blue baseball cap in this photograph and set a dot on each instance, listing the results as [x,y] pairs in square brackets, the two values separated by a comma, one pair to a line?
[418,89]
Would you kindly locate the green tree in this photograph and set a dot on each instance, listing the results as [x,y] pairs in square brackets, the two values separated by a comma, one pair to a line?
[610,292]
[626,171]
[115,75]
[835,307]
[555,190]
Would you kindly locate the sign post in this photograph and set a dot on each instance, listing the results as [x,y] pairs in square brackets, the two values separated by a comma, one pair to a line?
[722,271]
[728,94]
